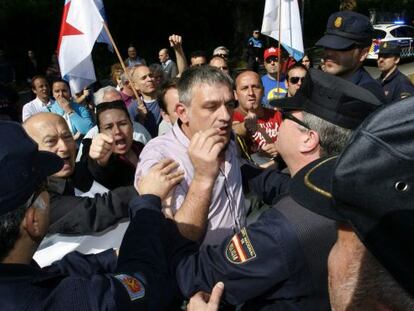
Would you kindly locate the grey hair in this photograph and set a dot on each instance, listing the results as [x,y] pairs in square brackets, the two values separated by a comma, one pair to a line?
[333,138]
[99,94]
[374,284]
[200,75]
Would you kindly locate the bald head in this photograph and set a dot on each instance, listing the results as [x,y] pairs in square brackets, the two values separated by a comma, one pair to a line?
[163,55]
[51,132]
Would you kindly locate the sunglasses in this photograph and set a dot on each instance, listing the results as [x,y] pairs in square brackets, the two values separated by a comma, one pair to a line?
[272,59]
[288,115]
[295,80]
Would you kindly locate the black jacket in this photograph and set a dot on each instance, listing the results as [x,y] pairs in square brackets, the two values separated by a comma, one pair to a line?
[70,214]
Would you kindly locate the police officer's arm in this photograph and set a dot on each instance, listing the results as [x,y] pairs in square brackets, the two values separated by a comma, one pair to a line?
[83,215]
[143,246]
[260,257]
[205,152]
[269,184]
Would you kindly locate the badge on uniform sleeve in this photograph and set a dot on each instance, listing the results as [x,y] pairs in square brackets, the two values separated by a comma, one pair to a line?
[240,249]
[134,287]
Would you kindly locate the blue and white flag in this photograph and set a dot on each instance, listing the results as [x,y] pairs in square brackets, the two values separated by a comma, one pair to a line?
[103,36]
[291,30]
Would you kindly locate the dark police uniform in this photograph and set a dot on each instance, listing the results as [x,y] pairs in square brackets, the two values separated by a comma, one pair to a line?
[138,280]
[71,214]
[363,79]
[267,265]
[396,86]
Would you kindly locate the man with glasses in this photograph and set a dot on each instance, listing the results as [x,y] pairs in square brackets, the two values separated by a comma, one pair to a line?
[77,282]
[273,88]
[294,78]
[346,44]
[279,262]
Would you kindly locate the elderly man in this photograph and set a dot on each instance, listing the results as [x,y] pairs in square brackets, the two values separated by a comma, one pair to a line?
[368,191]
[256,126]
[211,195]
[42,102]
[143,82]
[70,212]
[168,65]
[279,262]
[395,84]
[346,44]
[137,280]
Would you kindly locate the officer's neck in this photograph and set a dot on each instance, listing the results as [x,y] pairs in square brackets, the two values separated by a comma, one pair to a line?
[386,74]
[22,252]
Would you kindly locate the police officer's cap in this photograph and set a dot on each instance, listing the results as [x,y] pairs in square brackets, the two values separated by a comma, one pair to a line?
[22,167]
[371,187]
[389,48]
[347,29]
[332,99]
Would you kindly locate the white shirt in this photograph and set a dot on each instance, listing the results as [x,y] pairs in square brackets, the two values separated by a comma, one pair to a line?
[226,212]
[33,107]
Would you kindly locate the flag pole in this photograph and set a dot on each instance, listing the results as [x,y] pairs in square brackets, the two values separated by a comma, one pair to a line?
[142,110]
[279,45]
[119,57]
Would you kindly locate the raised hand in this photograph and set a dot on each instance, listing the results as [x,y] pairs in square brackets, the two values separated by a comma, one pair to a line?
[205,154]
[101,148]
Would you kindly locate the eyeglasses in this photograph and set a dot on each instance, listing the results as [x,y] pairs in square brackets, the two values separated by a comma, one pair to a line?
[222,55]
[295,80]
[288,115]
[272,59]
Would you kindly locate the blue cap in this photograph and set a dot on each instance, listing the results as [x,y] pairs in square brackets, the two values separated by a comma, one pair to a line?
[22,166]
[345,29]
[389,48]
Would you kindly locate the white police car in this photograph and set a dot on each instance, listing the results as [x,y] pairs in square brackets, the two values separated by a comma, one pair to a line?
[396,32]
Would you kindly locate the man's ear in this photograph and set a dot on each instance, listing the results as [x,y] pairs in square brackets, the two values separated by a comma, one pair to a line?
[182,112]
[31,223]
[397,60]
[235,95]
[310,142]
[363,54]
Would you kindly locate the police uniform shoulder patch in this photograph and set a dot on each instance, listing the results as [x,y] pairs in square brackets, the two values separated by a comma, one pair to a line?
[239,249]
[338,22]
[133,286]
[405,95]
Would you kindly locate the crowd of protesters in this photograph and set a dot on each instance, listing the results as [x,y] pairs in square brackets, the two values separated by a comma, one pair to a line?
[240,185]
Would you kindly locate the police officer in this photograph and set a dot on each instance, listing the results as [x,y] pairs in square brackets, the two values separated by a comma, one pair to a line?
[346,45]
[395,84]
[279,262]
[137,280]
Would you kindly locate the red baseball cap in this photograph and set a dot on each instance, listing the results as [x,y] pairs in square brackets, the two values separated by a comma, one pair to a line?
[272,51]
